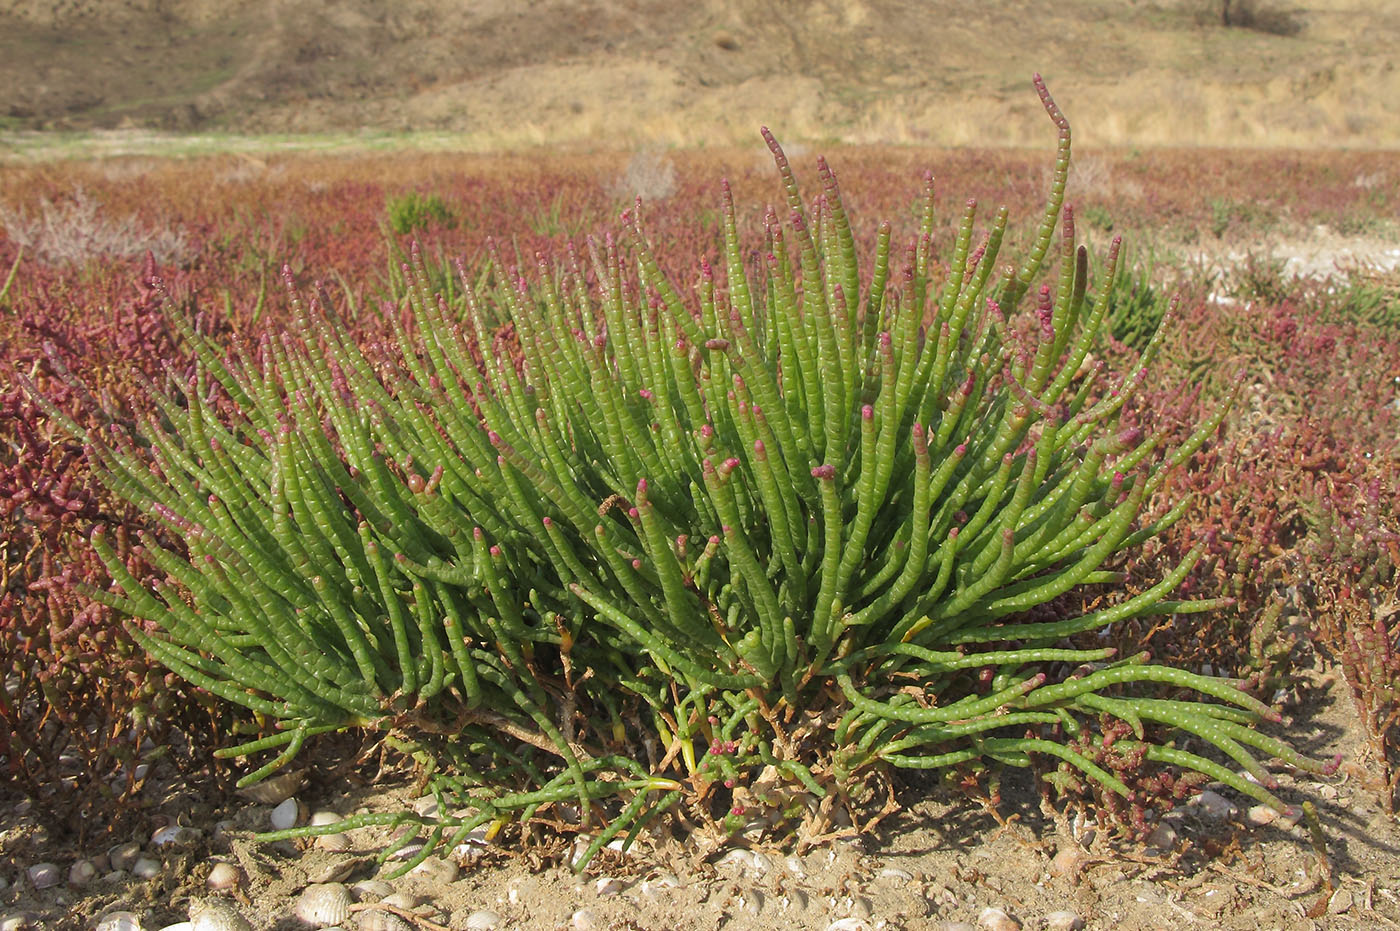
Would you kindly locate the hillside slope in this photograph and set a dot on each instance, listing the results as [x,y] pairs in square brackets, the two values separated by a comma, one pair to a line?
[662,72]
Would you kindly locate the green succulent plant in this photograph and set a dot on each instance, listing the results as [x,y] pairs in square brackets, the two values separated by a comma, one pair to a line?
[740,551]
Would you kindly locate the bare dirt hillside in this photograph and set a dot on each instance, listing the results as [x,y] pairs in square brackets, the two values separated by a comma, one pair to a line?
[623,73]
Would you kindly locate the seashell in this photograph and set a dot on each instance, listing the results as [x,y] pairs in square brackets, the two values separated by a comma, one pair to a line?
[436,870]
[1260,815]
[223,877]
[895,874]
[1063,921]
[994,919]
[275,789]
[585,919]
[18,921]
[795,866]
[660,883]
[483,920]
[118,921]
[608,885]
[216,915]
[738,858]
[285,815]
[426,807]
[1213,806]
[145,868]
[175,834]
[82,872]
[121,856]
[179,926]
[335,871]
[375,920]
[407,901]
[323,904]
[367,890]
[44,875]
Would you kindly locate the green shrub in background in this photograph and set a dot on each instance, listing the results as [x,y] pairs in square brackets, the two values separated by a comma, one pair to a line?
[408,213]
[743,553]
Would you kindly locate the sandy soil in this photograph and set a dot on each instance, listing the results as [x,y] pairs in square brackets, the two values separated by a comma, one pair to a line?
[941,860]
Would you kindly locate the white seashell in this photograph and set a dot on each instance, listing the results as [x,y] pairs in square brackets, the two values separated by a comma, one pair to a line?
[660,883]
[333,872]
[179,926]
[1260,815]
[760,864]
[323,905]
[44,875]
[145,868]
[994,919]
[1213,806]
[1063,921]
[375,920]
[82,872]
[285,815]
[436,870]
[404,900]
[322,818]
[216,915]
[896,874]
[223,876]
[175,834]
[371,890]
[118,921]
[608,885]
[739,858]
[795,866]
[585,919]
[484,920]
[334,843]
[275,789]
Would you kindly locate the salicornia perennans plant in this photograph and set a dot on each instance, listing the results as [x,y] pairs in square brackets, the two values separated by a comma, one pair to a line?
[741,551]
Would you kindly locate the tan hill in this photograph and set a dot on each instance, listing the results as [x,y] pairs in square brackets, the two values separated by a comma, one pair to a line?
[627,73]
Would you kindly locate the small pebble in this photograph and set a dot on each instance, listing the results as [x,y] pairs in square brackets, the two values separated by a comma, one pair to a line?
[1163,837]
[1068,861]
[122,856]
[18,921]
[797,899]
[483,920]
[585,919]
[82,872]
[1063,921]
[1340,902]
[223,877]
[285,815]
[426,807]
[145,868]
[994,919]
[795,866]
[896,874]
[751,902]
[118,921]
[1213,806]
[44,875]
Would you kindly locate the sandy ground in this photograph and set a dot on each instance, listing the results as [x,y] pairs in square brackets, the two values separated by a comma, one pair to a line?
[941,860]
